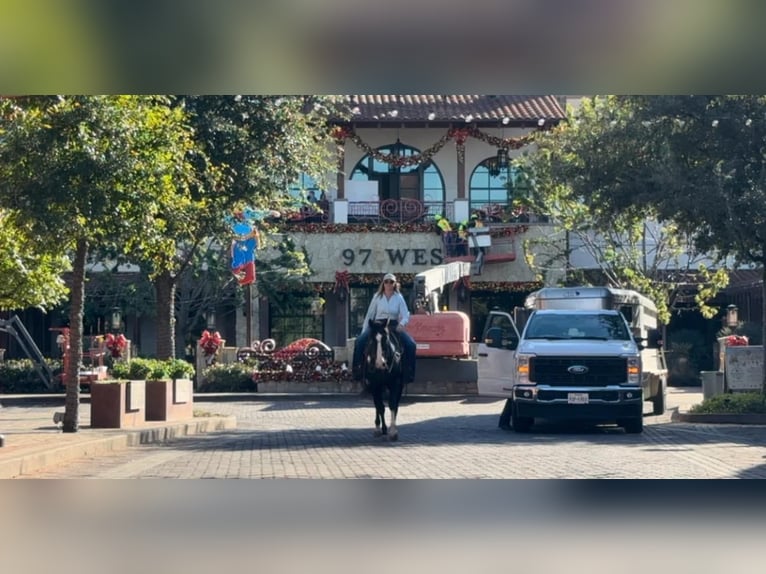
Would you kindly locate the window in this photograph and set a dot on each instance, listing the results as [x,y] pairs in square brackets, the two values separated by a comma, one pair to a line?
[293,320]
[423,182]
[492,190]
[489,186]
[305,185]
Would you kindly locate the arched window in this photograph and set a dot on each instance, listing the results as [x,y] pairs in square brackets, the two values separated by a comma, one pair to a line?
[493,189]
[423,182]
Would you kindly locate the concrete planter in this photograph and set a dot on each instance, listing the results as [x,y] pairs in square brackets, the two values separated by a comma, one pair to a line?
[117,404]
[169,400]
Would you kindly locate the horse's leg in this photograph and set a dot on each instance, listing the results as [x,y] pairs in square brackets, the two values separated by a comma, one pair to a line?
[380,411]
[394,395]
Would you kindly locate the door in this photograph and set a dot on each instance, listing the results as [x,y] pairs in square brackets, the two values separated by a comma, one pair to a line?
[497,352]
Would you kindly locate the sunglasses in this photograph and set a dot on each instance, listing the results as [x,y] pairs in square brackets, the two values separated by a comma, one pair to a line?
[388,281]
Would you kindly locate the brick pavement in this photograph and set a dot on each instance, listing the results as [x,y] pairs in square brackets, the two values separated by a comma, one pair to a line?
[34,443]
[330,437]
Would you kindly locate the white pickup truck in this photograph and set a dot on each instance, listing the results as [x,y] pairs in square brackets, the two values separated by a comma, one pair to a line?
[578,358]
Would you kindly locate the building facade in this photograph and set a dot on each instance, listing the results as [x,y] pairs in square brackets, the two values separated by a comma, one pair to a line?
[403,161]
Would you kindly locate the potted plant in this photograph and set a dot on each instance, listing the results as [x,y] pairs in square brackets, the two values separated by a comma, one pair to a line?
[120,402]
[169,393]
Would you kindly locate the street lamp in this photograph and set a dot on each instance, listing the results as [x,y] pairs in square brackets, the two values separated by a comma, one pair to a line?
[210,319]
[732,318]
[116,319]
[502,158]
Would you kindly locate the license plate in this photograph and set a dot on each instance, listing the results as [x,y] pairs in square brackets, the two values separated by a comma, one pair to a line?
[577,398]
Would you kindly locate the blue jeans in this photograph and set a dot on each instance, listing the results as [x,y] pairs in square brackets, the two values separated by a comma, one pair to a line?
[408,347]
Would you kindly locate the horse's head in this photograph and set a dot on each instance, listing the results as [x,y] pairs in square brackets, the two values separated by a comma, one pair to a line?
[382,354]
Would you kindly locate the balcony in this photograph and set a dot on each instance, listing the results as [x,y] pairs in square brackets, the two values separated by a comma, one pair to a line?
[402,211]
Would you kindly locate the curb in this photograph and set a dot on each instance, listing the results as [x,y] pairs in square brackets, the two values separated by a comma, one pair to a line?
[31,462]
[722,418]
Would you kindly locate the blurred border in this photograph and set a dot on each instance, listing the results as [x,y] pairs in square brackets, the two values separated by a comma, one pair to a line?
[339,46]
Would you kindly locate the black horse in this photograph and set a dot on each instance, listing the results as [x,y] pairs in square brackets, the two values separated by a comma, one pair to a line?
[382,371]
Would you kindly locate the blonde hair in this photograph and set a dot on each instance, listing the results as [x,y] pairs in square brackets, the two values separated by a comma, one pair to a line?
[382,288]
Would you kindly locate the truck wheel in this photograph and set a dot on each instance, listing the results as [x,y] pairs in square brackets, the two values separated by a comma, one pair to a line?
[633,426]
[658,402]
[505,417]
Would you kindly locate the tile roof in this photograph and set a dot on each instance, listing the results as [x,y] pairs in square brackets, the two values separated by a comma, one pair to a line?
[454,108]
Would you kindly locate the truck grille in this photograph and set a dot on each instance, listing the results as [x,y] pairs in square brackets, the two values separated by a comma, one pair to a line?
[601,371]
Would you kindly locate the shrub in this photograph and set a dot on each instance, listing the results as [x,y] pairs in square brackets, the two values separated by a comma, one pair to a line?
[121,370]
[158,370]
[180,369]
[732,403]
[20,376]
[228,378]
[139,369]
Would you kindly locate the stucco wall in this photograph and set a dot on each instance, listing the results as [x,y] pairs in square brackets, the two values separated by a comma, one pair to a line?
[379,252]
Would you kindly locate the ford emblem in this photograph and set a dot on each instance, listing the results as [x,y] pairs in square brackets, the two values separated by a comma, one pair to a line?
[577,369]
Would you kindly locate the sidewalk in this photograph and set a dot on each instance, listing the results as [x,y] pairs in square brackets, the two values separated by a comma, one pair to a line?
[33,441]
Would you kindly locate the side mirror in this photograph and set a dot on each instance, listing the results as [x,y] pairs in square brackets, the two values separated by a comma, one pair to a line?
[495,339]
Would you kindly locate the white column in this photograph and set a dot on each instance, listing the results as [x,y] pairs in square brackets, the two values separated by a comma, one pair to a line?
[340,211]
[462,213]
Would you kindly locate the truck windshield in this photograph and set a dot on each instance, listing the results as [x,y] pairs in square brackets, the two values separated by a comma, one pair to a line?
[577,326]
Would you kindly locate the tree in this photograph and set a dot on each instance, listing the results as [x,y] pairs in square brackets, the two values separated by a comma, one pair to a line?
[628,247]
[31,270]
[698,161]
[87,171]
[253,148]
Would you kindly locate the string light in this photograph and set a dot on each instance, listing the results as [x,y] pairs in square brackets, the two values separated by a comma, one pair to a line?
[468,119]
[431,116]
[541,122]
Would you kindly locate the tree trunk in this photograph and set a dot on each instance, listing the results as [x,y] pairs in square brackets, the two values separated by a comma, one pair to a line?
[165,289]
[71,421]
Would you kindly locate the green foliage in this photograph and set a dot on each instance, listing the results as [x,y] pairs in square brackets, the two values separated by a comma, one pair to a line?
[578,170]
[732,403]
[121,370]
[20,376]
[96,171]
[180,369]
[31,269]
[229,378]
[140,369]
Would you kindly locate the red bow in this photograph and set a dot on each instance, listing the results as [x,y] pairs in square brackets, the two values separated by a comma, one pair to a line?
[210,342]
[116,344]
[341,281]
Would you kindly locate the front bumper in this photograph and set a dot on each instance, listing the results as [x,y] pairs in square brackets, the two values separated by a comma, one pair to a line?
[603,403]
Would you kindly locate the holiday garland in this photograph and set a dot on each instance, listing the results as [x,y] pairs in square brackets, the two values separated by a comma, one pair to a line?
[459,135]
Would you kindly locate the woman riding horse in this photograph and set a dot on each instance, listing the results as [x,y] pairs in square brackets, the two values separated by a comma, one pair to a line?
[383,372]
[388,304]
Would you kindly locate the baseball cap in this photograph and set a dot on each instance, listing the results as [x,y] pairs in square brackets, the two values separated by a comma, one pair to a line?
[389,277]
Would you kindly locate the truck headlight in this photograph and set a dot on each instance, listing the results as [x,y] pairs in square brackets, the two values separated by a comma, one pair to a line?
[634,370]
[522,368]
